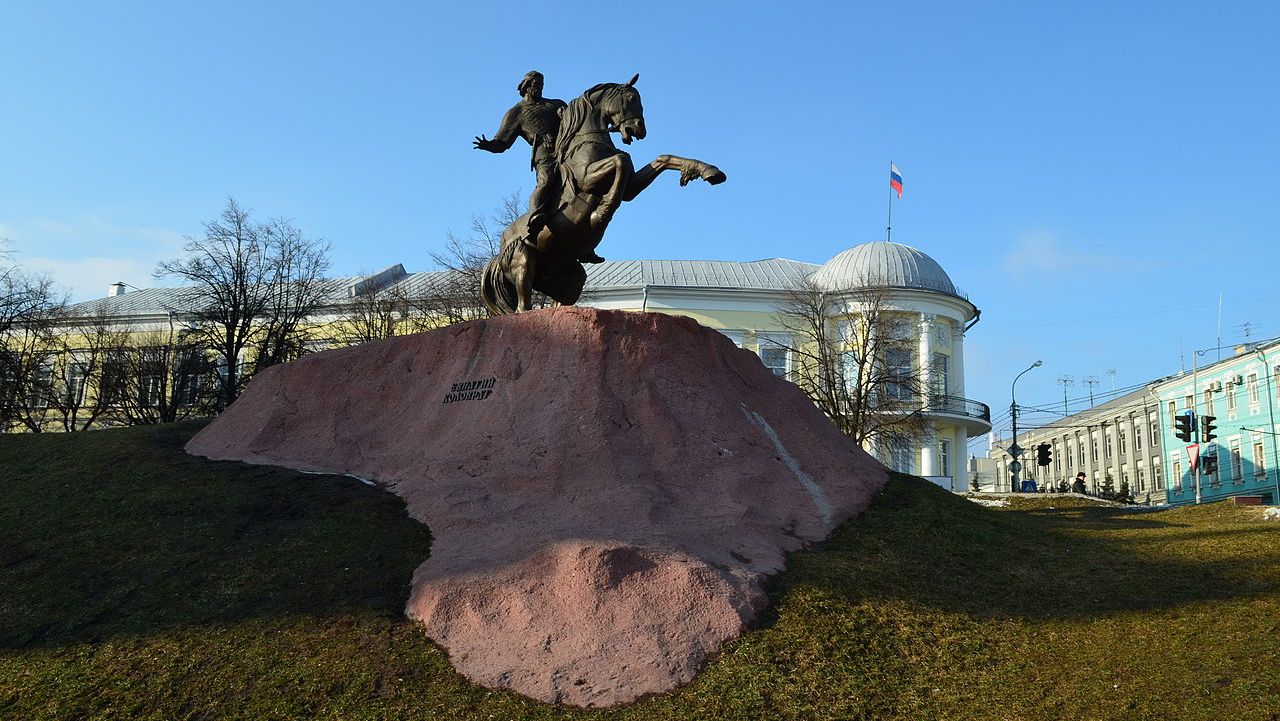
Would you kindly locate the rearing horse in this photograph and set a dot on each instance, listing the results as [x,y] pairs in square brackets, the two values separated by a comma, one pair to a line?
[596,178]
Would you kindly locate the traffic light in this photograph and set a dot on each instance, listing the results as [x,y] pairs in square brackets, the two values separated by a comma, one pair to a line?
[1183,426]
[1207,428]
[1044,455]
[1209,465]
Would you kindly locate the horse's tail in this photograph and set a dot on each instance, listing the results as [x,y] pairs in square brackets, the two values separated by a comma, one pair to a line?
[497,293]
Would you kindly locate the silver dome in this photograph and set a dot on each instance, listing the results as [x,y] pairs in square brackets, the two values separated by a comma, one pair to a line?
[883,265]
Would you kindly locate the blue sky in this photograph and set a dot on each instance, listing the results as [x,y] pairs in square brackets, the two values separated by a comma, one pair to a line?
[1093,175]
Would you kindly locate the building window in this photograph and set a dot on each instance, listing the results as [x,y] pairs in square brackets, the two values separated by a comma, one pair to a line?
[944,458]
[1108,435]
[774,355]
[1177,476]
[1173,413]
[1057,457]
[191,369]
[1251,383]
[1275,381]
[1155,433]
[73,394]
[850,372]
[898,381]
[113,382]
[900,458]
[1259,460]
[1189,402]
[1208,402]
[1157,482]
[41,387]
[151,372]
[734,335]
[1237,466]
[941,375]
[1124,447]
[1080,450]
[1142,482]
[1093,446]
[844,331]
[1137,436]
[775,359]
[1231,398]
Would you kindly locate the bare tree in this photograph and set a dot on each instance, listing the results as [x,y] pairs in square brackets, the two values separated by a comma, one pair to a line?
[28,352]
[455,295]
[83,349]
[854,357]
[253,285]
[160,376]
[375,314]
[431,300]
[29,306]
[294,293]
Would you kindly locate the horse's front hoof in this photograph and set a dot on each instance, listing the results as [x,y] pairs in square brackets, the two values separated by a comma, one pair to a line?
[714,175]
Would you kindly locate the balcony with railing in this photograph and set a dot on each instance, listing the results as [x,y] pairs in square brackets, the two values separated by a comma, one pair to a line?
[957,406]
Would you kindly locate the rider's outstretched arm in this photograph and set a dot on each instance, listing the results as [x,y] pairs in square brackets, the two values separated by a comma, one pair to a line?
[506,135]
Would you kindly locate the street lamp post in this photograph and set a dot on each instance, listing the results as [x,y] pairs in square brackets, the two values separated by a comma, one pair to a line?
[1014,449]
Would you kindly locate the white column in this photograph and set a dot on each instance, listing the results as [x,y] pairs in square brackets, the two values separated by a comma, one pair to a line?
[926,354]
[957,360]
[928,443]
[928,453]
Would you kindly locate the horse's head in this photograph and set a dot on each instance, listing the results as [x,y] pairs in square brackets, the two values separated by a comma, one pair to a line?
[621,108]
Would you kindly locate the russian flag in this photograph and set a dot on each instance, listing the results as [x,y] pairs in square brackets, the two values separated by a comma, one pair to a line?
[895,179]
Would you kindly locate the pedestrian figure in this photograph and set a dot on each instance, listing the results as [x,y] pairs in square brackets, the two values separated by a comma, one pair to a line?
[1078,485]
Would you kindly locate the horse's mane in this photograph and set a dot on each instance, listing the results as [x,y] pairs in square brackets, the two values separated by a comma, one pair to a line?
[574,115]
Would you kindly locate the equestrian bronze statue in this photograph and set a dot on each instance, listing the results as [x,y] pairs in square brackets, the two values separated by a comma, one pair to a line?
[582,179]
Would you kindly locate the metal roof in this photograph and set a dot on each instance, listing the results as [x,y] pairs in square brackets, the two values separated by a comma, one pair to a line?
[769,274]
[156,301]
[882,264]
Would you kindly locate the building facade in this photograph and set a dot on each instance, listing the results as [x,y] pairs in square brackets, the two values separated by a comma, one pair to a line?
[1121,440]
[1241,394]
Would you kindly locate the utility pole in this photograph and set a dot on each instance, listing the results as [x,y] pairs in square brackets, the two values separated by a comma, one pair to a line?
[1015,466]
[1066,382]
[1091,381]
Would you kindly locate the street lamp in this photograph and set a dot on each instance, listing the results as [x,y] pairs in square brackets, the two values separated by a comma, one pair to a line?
[1014,449]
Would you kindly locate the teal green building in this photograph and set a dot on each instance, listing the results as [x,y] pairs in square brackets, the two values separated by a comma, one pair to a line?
[1241,394]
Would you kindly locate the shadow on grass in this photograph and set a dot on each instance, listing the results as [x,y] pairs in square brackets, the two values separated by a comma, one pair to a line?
[119,533]
[920,544]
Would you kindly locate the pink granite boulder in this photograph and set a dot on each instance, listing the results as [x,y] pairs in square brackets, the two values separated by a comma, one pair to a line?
[607,491]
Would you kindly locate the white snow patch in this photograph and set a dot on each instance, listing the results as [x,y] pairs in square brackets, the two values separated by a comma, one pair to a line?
[815,491]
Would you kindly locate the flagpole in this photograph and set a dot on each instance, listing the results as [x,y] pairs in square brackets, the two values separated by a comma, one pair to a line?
[889,229]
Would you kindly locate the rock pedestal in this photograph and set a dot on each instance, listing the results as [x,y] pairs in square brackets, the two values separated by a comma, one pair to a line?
[606,490]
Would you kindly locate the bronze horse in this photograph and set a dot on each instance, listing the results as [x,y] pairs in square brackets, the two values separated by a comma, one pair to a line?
[597,177]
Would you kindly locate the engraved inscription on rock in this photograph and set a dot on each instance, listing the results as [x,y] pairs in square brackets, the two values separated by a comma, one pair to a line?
[470,390]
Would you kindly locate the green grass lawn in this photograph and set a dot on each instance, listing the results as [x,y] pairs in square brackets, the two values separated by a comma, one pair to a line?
[137,582]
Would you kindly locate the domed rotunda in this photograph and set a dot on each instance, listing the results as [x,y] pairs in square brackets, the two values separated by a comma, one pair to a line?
[905,294]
